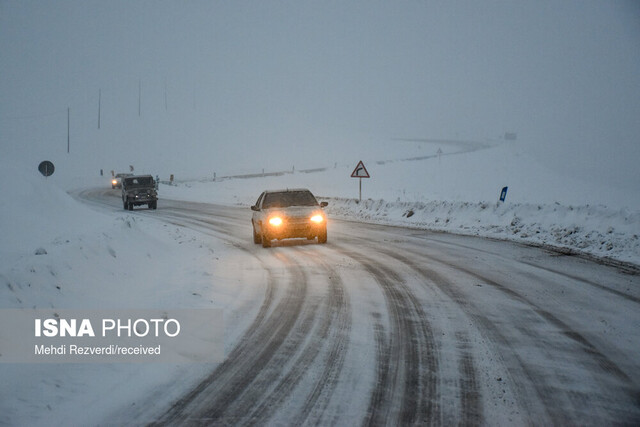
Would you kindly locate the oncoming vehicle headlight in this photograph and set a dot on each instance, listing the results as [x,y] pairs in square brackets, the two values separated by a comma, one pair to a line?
[114,182]
[276,221]
[317,218]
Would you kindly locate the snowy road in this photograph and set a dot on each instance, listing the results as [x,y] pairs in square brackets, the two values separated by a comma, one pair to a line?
[386,325]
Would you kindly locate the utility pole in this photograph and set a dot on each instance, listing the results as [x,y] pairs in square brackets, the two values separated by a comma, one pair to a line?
[165,95]
[99,102]
[68,127]
[139,97]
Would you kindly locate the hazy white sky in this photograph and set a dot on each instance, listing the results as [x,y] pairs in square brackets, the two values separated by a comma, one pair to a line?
[281,81]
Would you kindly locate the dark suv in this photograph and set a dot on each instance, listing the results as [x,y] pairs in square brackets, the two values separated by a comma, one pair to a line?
[286,214]
[139,190]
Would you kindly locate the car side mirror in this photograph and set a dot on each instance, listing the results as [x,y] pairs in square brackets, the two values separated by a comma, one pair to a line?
[324,204]
[255,208]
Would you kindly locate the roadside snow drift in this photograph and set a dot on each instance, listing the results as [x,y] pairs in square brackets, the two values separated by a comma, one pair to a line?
[59,253]
[592,230]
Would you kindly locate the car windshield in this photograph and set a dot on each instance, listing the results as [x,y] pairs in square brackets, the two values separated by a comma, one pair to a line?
[142,181]
[289,198]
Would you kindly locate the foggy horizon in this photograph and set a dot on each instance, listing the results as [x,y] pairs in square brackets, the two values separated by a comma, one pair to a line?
[234,87]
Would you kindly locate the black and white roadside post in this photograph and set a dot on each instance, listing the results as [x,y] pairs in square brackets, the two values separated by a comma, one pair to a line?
[360,172]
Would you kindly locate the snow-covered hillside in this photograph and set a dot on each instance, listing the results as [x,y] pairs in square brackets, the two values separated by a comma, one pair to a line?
[458,191]
[56,252]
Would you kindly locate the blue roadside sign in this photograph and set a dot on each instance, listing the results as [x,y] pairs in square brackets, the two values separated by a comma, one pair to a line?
[503,193]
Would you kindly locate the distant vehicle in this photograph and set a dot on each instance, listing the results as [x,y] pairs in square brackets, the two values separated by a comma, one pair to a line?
[285,214]
[139,190]
[116,182]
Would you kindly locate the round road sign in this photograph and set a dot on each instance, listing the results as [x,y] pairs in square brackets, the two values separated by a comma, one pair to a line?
[46,168]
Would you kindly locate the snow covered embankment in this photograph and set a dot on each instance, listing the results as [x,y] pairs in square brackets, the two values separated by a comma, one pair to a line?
[58,253]
[592,230]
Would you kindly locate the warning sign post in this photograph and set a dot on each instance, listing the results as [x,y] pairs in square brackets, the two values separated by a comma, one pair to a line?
[360,172]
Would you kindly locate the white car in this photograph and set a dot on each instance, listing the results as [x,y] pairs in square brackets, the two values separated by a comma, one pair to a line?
[285,214]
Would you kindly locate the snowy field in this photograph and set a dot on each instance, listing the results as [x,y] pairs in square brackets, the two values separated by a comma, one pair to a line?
[58,252]
[432,299]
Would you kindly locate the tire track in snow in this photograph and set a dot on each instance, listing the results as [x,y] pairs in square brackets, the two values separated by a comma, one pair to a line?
[317,330]
[580,279]
[273,384]
[279,375]
[470,396]
[338,313]
[524,378]
[555,402]
[599,360]
[204,224]
[247,409]
[406,389]
[336,308]
[229,383]
[471,412]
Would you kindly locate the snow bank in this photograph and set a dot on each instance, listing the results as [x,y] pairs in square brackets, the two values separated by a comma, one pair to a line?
[56,252]
[592,230]
[35,212]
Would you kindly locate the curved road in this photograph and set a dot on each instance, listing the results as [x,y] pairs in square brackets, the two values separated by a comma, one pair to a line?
[388,326]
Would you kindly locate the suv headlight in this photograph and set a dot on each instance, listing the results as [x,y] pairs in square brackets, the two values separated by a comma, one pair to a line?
[317,218]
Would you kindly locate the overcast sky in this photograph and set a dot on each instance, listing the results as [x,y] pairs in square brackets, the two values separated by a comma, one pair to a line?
[273,82]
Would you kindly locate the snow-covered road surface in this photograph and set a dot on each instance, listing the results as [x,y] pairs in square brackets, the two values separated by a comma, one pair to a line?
[387,325]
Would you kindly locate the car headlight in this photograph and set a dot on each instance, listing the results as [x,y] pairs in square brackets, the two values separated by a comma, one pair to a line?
[276,221]
[114,182]
[317,218]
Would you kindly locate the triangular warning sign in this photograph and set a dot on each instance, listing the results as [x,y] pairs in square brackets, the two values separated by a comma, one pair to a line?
[360,171]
